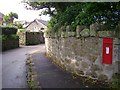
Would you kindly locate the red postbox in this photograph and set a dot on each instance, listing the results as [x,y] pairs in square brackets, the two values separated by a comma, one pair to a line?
[107,50]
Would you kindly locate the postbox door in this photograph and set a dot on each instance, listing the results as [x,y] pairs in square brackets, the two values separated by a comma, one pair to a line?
[107,51]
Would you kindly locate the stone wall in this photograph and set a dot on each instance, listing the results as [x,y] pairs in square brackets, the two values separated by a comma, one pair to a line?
[30,38]
[80,52]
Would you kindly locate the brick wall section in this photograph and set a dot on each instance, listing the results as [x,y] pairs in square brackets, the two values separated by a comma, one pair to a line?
[31,38]
[80,52]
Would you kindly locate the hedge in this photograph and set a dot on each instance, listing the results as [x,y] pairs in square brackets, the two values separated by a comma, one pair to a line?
[8,30]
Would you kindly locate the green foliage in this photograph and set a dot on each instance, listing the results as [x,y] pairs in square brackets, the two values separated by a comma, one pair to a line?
[21,30]
[11,37]
[18,25]
[9,42]
[8,30]
[8,19]
[3,37]
[80,13]
[116,81]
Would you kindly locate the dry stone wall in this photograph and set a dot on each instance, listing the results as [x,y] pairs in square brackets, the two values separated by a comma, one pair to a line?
[30,38]
[80,52]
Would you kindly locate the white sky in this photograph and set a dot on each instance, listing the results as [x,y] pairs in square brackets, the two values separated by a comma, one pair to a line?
[7,6]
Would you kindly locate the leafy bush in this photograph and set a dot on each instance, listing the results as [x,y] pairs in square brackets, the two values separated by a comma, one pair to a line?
[86,14]
[3,37]
[21,30]
[11,37]
[9,41]
[8,30]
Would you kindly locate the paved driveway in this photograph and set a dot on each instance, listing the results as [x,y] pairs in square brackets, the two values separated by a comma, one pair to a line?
[14,68]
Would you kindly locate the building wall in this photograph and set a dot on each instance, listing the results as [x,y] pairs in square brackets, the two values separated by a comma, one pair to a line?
[30,38]
[35,27]
[81,52]
[1,18]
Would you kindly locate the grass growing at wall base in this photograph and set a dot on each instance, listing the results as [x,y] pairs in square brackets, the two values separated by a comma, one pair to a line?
[32,78]
[116,81]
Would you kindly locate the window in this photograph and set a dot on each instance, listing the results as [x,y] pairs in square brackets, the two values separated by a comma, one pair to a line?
[42,28]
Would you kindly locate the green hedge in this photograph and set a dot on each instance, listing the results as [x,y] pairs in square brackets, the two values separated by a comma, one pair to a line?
[9,42]
[8,30]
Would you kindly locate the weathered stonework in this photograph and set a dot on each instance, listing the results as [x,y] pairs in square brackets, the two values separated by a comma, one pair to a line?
[83,55]
[30,38]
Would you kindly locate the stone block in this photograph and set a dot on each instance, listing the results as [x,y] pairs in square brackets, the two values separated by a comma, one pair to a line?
[63,28]
[67,61]
[77,63]
[56,35]
[84,64]
[85,33]
[95,26]
[116,41]
[105,33]
[79,72]
[78,31]
[92,32]
[71,34]
[95,67]
[68,28]
[80,28]
[63,34]
[102,77]
[92,58]
[93,74]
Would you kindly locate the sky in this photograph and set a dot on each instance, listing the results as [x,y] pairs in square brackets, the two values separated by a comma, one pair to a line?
[7,6]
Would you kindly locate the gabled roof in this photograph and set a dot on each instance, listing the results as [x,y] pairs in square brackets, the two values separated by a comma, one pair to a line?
[38,21]
[1,14]
[42,21]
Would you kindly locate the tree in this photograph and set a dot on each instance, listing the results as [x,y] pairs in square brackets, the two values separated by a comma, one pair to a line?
[80,13]
[13,16]
[8,19]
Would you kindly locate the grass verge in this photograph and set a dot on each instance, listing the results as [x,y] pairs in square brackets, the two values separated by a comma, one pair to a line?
[32,79]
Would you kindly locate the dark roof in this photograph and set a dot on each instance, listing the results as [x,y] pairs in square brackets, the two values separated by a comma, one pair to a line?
[2,14]
[42,21]
[38,21]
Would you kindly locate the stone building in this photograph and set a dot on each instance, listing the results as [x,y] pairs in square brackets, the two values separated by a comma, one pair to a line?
[37,25]
[1,18]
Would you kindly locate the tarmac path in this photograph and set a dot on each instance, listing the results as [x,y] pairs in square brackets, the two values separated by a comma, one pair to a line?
[14,68]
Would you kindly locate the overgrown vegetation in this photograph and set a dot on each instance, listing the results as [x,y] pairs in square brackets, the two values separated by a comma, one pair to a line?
[9,38]
[8,19]
[31,75]
[80,13]
[21,30]
[116,81]
[8,30]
